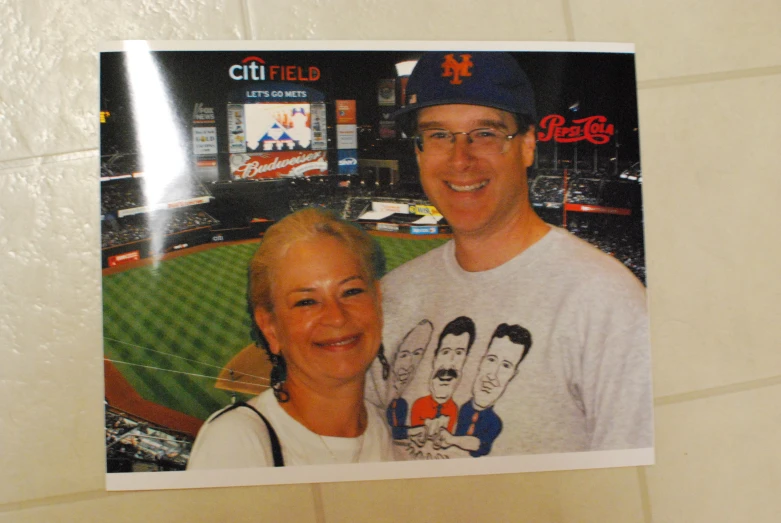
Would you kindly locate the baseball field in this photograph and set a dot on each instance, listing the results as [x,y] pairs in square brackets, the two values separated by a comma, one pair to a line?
[170,327]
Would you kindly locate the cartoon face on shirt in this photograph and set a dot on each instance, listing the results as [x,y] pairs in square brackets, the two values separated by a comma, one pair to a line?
[497,368]
[408,356]
[448,365]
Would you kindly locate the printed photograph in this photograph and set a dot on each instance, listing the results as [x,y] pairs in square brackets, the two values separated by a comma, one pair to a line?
[337,262]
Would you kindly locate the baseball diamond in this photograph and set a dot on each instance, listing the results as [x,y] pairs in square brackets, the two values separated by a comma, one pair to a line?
[170,327]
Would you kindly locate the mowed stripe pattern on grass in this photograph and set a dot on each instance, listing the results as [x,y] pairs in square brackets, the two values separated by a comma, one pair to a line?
[188,314]
[400,250]
[191,307]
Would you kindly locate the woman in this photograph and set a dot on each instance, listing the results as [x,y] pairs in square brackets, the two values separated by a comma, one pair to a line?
[315,297]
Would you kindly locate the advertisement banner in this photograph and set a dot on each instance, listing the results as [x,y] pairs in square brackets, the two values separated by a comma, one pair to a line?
[204,141]
[424,210]
[347,136]
[176,204]
[121,259]
[387,126]
[387,227]
[276,165]
[391,207]
[386,92]
[599,209]
[387,129]
[258,69]
[319,134]
[237,140]
[345,112]
[203,114]
[423,229]
[348,161]
[594,129]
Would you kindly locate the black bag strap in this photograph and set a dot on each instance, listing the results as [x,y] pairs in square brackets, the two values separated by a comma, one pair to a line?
[276,448]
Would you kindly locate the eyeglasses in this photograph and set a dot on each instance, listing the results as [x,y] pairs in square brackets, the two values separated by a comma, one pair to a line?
[482,142]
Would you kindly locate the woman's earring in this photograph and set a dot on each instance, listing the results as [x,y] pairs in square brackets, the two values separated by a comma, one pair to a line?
[278,377]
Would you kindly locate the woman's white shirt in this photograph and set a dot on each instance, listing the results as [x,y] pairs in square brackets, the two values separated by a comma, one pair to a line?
[239,439]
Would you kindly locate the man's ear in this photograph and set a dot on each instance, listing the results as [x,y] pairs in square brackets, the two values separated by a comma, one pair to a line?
[528,145]
[265,321]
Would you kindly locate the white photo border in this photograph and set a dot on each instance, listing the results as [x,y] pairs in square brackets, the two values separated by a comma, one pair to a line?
[391,470]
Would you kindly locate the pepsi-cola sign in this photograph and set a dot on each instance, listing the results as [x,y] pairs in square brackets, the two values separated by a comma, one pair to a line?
[594,129]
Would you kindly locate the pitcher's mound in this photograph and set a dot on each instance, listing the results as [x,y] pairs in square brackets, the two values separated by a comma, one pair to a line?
[247,372]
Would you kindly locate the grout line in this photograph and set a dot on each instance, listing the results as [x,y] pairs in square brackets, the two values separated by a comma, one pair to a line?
[250,33]
[49,501]
[645,497]
[33,161]
[717,391]
[317,496]
[709,77]
[568,23]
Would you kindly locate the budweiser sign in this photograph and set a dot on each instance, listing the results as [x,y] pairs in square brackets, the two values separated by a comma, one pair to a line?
[594,129]
[275,165]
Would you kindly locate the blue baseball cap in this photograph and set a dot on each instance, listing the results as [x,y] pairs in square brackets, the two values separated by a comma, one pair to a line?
[475,78]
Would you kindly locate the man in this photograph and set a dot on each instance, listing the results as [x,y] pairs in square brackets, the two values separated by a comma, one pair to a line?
[478,424]
[454,344]
[586,386]
[405,364]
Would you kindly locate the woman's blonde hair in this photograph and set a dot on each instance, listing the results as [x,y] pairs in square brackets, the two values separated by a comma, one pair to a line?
[308,224]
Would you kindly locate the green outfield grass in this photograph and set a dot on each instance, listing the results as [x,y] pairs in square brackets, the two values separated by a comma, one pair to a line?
[171,324]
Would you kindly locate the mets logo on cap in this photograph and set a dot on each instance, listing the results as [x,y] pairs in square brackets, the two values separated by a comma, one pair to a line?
[487,78]
[455,69]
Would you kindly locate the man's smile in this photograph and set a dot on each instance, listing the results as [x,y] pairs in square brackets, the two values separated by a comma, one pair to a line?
[467,188]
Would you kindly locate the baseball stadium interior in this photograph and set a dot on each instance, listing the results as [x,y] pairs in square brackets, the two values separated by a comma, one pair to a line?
[174,259]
